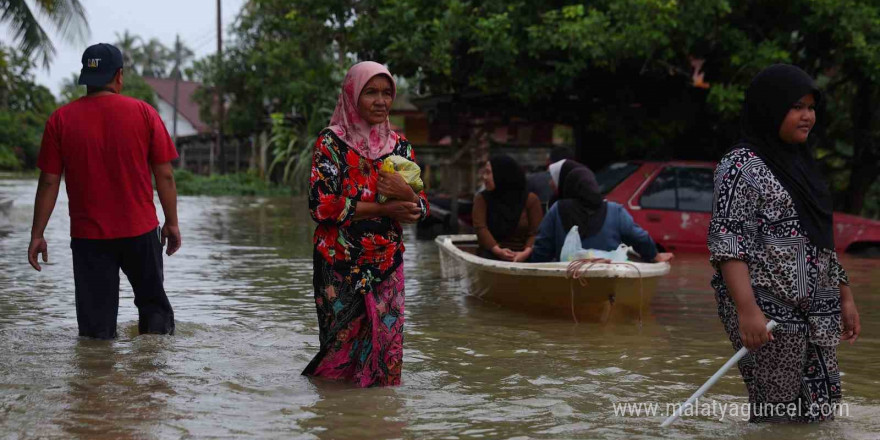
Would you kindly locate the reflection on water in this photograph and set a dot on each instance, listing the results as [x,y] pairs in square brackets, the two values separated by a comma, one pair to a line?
[241,289]
[115,392]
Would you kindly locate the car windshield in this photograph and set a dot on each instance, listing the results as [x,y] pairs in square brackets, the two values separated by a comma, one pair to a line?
[613,174]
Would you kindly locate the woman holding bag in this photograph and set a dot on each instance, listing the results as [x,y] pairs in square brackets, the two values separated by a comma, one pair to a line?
[358,257]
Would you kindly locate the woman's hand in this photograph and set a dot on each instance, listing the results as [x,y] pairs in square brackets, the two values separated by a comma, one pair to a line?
[503,253]
[393,186]
[404,212]
[522,255]
[753,328]
[849,314]
[663,257]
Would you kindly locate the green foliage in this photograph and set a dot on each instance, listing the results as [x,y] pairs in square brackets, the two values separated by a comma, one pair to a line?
[281,77]
[127,43]
[625,71]
[8,159]
[635,78]
[70,90]
[291,146]
[151,58]
[132,85]
[24,109]
[68,17]
[727,99]
[289,58]
[238,184]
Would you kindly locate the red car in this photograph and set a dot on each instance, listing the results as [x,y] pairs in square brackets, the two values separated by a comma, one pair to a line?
[673,202]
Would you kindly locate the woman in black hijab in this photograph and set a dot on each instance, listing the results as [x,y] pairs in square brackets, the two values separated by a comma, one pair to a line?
[771,243]
[558,173]
[582,204]
[505,215]
[602,225]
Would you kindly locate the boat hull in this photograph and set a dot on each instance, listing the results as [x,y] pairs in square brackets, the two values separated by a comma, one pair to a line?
[610,292]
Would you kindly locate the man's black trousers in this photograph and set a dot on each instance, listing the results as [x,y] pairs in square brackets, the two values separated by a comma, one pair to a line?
[96,265]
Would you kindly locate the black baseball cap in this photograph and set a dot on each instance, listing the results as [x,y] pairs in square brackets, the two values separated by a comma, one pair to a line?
[100,63]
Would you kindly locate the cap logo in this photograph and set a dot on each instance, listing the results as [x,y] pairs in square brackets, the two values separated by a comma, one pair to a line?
[93,62]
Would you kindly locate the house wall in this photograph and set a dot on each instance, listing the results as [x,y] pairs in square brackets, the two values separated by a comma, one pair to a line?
[166,112]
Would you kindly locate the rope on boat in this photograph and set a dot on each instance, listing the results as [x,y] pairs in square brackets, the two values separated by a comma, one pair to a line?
[577,270]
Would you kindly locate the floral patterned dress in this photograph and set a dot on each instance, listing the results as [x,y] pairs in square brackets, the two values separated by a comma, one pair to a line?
[358,268]
[795,283]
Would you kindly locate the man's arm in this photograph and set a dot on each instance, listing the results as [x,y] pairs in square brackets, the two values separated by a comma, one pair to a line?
[167,189]
[44,204]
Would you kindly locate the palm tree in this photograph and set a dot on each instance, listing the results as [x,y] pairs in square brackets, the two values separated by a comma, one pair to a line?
[153,58]
[127,43]
[68,17]
[186,55]
[71,90]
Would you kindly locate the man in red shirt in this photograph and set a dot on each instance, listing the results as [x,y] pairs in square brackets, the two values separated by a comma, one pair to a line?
[106,145]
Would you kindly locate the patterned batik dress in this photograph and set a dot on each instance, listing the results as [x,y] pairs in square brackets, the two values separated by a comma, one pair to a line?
[795,283]
[358,268]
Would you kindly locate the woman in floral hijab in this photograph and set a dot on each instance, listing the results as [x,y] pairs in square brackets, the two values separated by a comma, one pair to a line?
[358,257]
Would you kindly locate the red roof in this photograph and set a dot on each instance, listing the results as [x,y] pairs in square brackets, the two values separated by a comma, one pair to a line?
[186,106]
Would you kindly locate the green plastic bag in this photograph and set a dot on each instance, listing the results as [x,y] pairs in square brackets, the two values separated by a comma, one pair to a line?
[408,169]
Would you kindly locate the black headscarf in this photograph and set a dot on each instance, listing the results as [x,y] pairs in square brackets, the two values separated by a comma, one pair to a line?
[768,99]
[582,203]
[505,204]
[567,167]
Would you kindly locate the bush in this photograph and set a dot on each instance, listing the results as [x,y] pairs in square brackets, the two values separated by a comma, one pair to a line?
[237,184]
[8,160]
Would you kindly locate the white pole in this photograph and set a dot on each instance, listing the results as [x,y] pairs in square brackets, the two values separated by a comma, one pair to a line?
[742,352]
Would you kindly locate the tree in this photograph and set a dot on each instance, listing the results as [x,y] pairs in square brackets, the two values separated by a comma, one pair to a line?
[71,90]
[640,78]
[153,58]
[133,85]
[150,58]
[184,56]
[24,109]
[852,69]
[128,44]
[67,16]
[634,78]
[285,60]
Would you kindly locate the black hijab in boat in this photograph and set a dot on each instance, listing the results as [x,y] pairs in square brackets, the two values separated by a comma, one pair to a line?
[567,167]
[505,204]
[768,99]
[582,203]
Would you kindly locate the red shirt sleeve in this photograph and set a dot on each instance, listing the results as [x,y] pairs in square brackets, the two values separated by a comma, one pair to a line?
[161,146]
[49,160]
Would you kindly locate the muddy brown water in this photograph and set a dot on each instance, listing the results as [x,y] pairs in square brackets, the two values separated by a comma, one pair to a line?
[241,290]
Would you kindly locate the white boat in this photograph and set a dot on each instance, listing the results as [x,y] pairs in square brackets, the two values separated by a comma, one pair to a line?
[594,292]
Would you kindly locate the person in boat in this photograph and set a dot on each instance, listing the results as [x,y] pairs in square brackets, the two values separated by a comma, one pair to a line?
[541,183]
[358,254]
[771,244]
[602,225]
[558,172]
[505,215]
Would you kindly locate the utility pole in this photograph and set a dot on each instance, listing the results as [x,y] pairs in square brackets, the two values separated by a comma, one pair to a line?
[219,90]
[176,73]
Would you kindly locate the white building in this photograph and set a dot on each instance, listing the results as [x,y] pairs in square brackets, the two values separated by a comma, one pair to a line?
[188,121]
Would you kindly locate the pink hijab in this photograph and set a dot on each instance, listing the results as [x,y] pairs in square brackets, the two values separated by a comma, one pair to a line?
[372,141]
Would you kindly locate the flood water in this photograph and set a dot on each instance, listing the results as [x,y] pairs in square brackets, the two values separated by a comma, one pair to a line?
[241,291]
